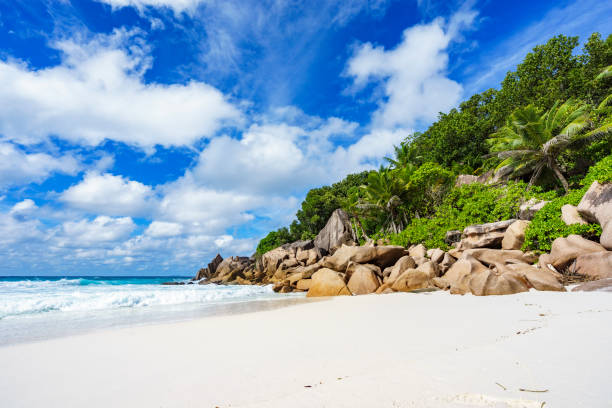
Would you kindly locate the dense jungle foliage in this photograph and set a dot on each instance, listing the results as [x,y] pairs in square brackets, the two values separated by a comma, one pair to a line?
[547,124]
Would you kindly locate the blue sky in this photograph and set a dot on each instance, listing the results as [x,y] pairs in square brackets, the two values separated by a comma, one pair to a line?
[144,136]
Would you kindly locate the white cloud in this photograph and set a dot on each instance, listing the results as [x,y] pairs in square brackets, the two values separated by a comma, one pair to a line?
[177,6]
[292,153]
[26,206]
[110,195]
[18,167]
[96,232]
[161,229]
[412,74]
[98,92]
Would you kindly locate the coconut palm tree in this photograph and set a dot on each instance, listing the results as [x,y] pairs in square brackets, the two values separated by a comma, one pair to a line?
[531,141]
[606,73]
[386,192]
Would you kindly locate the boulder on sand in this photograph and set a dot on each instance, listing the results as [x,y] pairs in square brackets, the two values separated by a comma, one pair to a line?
[353,267]
[596,206]
[564,250]
[402,264]
[597,265]
[457,278]
[412,279]
[601,285]
[538,278]
[491,282]
[326,282]
[337,232]
[363,281]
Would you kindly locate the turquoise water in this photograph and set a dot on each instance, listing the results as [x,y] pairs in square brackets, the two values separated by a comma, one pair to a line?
[35,308]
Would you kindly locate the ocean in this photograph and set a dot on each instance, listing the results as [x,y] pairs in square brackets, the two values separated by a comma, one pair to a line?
[38,308]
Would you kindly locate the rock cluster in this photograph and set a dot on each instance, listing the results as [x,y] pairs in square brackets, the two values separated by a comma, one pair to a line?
[486,259]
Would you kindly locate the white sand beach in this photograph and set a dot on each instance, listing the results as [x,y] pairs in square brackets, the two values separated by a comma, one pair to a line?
[398,350]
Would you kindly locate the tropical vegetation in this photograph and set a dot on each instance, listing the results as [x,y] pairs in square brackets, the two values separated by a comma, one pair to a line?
[535,137]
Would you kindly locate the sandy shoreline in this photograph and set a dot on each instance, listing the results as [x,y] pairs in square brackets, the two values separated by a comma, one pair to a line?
[399,350]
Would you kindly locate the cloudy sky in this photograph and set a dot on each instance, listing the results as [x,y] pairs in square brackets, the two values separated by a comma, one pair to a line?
[141,137]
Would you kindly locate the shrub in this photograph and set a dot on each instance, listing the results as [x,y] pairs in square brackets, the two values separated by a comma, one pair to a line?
[466,205]
[547,225]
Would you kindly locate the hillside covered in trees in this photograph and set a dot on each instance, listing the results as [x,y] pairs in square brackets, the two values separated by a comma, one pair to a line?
[549,121]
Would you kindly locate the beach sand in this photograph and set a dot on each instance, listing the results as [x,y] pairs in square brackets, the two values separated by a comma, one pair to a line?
[397,350]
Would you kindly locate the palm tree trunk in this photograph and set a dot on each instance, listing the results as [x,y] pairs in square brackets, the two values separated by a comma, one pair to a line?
[363,234]
[557,170]
[535,176]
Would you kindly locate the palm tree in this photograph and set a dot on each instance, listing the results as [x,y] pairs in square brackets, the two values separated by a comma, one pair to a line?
[353,204]
[531,142]
[401,153]
[606,73]
[386,192]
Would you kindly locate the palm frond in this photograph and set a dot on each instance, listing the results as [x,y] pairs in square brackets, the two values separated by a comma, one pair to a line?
[606,73]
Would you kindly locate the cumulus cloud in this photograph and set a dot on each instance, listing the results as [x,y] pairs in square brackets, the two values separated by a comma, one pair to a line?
[290,153]
[18,167]
[100,230]
[109,195]
[161,229]
[98,93]
[412,75]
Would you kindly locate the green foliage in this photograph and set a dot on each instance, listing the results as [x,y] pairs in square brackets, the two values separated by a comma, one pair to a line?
[274,239]
[314,212]
[547,225]
[466,205]
[531,142]
[427,187]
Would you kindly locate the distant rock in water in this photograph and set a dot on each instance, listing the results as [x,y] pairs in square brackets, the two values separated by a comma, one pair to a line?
[173,283]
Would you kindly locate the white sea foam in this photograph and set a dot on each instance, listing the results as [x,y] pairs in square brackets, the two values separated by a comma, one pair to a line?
[33,297]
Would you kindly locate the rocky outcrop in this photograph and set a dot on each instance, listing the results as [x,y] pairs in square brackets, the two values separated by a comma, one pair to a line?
[327,282]
[210,270]
[231,268]
[596,265]
[570,215]
[596,206]
[492,257]
[464,179]
[514,237]
[528,209]
[382,256]
[488,235]
[565,250]
[337,232]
